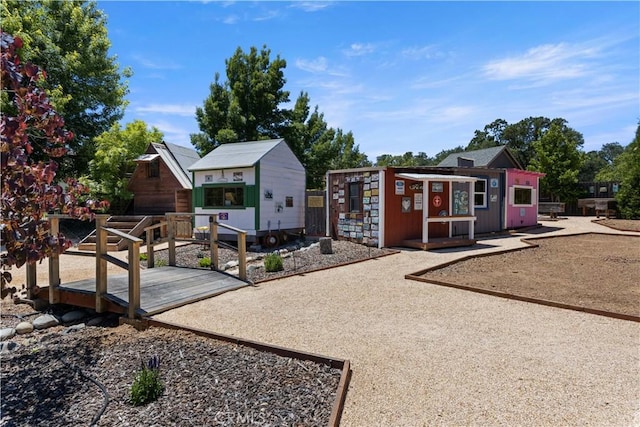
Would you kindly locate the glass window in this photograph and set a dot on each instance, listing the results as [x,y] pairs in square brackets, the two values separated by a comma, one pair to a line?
[153,169]
[355,200]
[221,197]
[480,194]
[522,196]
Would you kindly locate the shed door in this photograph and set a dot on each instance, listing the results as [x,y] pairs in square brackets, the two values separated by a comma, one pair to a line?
[438,206]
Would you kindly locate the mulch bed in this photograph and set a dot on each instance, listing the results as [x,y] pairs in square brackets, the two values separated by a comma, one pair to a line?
[56,379]
[596,271]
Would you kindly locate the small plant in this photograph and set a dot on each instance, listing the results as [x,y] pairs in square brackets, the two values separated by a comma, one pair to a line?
[273,262]
[147,385]
[161,263]
[143,257]
[204,262]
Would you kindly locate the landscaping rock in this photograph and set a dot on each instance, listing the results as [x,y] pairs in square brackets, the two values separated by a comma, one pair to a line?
[95,321]
[45,321]
[325,245]
[7,346]
[74,328]
[7,333]
[24,328]
[72,317]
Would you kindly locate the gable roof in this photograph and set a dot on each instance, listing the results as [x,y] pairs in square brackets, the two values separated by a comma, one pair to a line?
[236,155]
[481,158]
[176,157]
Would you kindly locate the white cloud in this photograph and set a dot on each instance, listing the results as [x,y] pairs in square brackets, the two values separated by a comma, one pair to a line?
[175,109]
[543,63]
[311,6]
[174,134]
[359,49]
[230,19]
[312,65]
[155,65]
[423,52]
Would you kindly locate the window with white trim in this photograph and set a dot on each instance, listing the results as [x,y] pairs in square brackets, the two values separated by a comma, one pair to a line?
[480,193]
[522,195]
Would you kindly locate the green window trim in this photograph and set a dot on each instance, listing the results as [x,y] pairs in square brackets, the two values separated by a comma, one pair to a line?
[236,190]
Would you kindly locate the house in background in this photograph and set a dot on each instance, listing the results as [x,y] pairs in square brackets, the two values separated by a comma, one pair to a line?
[161,181]
[256,186]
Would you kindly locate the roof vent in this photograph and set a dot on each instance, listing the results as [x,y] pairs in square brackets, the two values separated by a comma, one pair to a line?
[464,162]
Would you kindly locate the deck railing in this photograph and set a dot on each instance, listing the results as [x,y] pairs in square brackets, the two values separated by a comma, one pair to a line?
[176,226]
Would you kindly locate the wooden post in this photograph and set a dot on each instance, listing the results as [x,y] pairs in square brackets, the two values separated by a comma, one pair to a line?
[242,255]
[213,241]
[54,263]
[101,263]
[150,254]
[134,279]
[171,224]
[32,278]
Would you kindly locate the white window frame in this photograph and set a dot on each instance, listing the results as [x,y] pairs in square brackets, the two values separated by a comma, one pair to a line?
[484,193]
[512,195]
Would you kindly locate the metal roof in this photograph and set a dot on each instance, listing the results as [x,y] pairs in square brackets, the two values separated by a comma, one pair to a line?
[235,155]
[177,159]
[185,156]
[436,177]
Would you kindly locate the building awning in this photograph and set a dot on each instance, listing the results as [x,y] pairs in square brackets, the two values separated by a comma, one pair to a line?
[145,158]
[436,177]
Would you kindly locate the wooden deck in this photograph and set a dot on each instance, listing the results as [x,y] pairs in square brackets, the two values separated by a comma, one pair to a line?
[161,289]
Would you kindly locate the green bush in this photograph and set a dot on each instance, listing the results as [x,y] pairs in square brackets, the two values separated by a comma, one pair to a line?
[143,257]
[147,385]
[161,263]
[204,262]
[273,262]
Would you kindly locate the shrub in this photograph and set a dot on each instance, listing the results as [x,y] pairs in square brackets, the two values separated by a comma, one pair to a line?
[273,262]
[143,257]
[147,385]
[204,262]
[161,263]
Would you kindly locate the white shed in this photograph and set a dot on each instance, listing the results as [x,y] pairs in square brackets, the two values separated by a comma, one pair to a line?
[257,186]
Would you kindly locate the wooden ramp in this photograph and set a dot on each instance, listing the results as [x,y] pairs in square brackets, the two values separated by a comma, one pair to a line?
[161,289]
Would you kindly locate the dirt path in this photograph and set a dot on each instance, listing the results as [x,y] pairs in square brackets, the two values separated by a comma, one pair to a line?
[429,355]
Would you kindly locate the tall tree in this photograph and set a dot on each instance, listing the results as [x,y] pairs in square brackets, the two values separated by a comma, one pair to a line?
[249,106]
[30,127]
[558,155]
[113,162]
[69,40]
[600,163]
[491,136]
[246,107]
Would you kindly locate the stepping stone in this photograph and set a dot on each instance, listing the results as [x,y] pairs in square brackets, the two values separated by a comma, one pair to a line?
[73,317]
[7,333]
[24,328]
[45,321]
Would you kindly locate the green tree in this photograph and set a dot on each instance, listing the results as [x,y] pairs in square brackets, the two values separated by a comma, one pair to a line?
[605,163]
[69,40]
[246,107]
[626,170]
[593,163]
[558,155]
[31,128]
[114,163]
[249,106]
[406,159]
[491,136]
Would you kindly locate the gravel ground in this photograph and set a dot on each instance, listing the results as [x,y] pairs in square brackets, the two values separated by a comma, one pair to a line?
[298,258]
[53,379]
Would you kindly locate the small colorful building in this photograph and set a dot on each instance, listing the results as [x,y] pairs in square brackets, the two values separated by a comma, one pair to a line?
[432,207]
[256,186]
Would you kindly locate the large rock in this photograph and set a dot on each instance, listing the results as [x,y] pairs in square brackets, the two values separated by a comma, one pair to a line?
[45,321]
[24,328]
[72,317]
[7,333]
[325,245]
[7,346]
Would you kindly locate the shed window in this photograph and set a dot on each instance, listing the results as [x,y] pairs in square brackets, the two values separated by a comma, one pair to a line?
[523,196]
[355,198]
[480,194]
[153,169]
[223,197]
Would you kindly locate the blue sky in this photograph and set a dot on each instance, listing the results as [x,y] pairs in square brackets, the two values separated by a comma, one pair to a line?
[402,76]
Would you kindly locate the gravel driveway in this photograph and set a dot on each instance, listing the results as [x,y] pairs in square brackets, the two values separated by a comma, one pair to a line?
[427,355]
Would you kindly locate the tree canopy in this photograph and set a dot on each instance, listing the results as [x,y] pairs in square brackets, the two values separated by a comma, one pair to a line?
[114,163]
[69,40]
[558,155]
[249,106]
[30,128]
